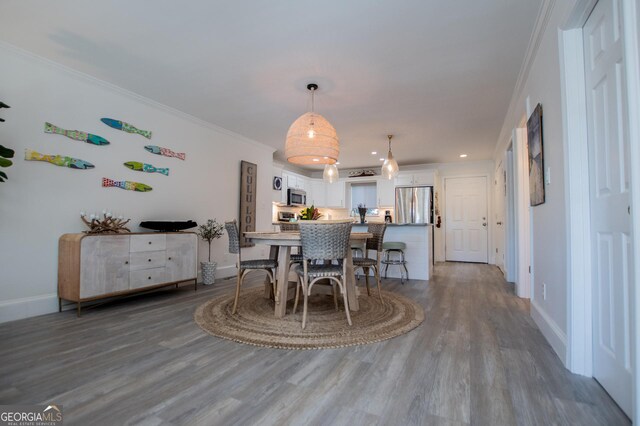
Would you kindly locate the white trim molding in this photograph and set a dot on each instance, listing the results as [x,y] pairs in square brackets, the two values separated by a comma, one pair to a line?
[25,307]
[550,330]
[576,171]
[539,29]
[631,23]
[523,214]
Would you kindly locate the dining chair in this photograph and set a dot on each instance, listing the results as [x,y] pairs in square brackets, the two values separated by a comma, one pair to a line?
[324,242]
[246,266]
[365,262]
[292,227]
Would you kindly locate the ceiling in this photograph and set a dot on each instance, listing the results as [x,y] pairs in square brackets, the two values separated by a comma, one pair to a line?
[438,75]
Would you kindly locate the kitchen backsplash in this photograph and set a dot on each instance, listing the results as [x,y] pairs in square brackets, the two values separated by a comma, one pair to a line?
[332,214]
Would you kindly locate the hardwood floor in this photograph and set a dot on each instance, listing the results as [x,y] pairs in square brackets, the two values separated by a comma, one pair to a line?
[478,358]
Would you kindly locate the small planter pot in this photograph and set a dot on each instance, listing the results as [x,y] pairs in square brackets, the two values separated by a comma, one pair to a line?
[208,272]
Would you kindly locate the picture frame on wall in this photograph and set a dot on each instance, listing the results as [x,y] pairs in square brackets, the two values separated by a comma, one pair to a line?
[277,183]
[536,159]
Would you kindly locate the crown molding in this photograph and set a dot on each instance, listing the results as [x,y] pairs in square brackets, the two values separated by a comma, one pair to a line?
[131,95]
[539,29]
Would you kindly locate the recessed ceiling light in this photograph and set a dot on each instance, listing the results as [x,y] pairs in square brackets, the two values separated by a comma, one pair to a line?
[382,159]
[374,152]
[337,162]
[325,157]
[463,155]
[315,159]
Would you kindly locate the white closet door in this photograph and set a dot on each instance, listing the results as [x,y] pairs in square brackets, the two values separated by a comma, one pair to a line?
[609,193]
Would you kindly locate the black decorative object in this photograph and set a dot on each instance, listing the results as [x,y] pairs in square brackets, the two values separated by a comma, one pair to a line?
[3,105]
[277,183]
[168,226]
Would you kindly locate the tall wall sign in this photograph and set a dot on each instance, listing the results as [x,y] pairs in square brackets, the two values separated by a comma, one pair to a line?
[248,185]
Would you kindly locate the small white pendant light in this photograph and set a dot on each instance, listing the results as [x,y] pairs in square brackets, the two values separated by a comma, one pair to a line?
[330,174]
[311,139]
[390,167]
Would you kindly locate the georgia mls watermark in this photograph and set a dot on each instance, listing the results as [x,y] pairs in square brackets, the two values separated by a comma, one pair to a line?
[30,415]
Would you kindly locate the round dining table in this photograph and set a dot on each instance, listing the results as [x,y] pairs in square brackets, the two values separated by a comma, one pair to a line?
[281,244]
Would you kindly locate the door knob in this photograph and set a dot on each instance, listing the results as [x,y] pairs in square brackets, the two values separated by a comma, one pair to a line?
[484,224]
[498,223]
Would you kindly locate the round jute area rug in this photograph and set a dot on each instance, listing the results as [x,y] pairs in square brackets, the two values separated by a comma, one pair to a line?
[254,322]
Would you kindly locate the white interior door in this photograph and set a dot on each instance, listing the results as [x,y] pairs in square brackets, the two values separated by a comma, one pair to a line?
[609,197]
[466,220]
[499,193]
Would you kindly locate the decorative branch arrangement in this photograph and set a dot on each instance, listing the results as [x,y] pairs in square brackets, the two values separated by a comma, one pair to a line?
[107,225]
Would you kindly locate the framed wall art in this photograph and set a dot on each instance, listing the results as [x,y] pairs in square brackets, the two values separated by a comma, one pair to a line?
[536,161]
[277,183]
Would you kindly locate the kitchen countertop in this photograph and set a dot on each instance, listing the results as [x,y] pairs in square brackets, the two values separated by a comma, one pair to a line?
[364,224]
[397,224]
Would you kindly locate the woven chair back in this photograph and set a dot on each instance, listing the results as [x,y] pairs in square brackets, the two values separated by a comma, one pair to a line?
[375,242]
[234,236]
[289,227]
[325,241]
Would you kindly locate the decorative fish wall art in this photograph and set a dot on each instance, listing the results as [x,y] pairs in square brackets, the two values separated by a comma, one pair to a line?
[125,127]
[76,134]
[165,151]
[58,160]
[144,167]
[125,184]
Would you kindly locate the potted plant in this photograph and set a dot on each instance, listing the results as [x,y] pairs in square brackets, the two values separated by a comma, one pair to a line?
[5,154]
[310,213]
[209,232]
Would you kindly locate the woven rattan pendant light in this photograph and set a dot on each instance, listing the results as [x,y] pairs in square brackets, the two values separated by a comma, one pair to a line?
[390,167]
[311,139]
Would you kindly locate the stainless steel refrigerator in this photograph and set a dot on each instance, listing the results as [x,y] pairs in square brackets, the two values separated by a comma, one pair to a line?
[414,204]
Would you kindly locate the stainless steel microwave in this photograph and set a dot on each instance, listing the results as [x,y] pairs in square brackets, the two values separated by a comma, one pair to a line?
[296,197]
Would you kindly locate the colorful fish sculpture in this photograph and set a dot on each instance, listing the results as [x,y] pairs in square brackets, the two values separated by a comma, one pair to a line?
[76,134]
[125,127]
[58,160]
[164,151]
[144,167]
[125,184]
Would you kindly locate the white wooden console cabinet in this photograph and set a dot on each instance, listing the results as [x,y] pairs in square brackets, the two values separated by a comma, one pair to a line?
[92,267]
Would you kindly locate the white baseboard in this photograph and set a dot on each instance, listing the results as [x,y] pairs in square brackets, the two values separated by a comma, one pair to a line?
[225,272]
[551,331]
[11,310]
[15,309]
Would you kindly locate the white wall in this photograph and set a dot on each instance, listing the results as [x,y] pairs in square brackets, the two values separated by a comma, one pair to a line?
[541,84]
[41,201]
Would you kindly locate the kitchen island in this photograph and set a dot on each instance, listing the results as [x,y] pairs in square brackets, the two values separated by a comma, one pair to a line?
[419,253]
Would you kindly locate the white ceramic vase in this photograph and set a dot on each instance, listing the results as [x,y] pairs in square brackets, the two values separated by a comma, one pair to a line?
[208,272]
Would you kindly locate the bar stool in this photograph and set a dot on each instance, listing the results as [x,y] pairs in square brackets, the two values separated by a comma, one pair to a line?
[397,248]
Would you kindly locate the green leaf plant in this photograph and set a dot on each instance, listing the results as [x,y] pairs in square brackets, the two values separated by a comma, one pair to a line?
[5,154]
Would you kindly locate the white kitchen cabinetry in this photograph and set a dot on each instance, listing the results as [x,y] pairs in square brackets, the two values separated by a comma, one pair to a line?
[416,178]
[97,266]
[386,192]
[290,180]
[336,194]
[317,193]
